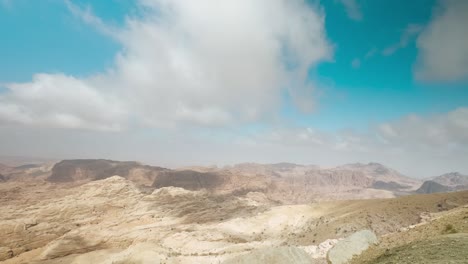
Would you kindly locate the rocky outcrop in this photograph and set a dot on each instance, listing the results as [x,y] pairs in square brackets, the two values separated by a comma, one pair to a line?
[345,249]
[59,220]
[91,170]
[379,172]
[5,253]
[389,186]
[278,255]
[433,187]
[69,244]
[349,178]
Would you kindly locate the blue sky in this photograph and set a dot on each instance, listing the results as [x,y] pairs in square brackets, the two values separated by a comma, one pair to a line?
[362,67]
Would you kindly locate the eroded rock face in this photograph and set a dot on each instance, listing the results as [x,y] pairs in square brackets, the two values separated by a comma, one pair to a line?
[279,255]
[432,187]
[345,249]
[70,244]
[60,220]
[189,180]
[5,253]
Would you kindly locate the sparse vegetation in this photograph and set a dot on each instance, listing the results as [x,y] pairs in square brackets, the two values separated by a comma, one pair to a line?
[449,229]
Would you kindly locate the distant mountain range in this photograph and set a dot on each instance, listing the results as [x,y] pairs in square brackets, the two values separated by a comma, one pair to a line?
[283,182]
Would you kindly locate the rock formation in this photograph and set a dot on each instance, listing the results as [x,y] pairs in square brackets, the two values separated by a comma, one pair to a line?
[353,245]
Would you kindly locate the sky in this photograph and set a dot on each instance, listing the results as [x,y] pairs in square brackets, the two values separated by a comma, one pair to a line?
[208,82]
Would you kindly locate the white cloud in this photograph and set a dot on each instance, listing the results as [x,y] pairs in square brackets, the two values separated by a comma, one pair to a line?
[352,9]
[408,34]
[443,52]
[205,62]
[416,144]
[437,132]
[419,146]
[60,101]
[88,17]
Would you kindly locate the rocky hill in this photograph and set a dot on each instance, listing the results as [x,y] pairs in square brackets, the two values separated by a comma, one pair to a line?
[91,170]
[299,183]
[189,180]
[378,172]
[448,182]
[218,181]
[433,187]
[452,179]
[293,183]
[25,172]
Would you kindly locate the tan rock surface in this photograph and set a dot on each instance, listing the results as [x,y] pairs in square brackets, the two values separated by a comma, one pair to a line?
[114,220]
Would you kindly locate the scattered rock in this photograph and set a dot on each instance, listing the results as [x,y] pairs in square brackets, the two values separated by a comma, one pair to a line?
[321,250]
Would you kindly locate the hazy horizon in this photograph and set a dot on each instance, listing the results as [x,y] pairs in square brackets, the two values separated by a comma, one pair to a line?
[16,160]
[176,83]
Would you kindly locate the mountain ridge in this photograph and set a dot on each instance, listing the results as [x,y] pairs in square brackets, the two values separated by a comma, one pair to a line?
[286,182]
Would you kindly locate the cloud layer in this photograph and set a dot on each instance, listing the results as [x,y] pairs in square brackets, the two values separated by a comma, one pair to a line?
[60,101]
[420,145]
[443,53]
[417,145]
[202,63]
[204,71]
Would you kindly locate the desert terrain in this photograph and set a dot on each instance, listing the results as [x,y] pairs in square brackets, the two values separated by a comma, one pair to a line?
[102,211]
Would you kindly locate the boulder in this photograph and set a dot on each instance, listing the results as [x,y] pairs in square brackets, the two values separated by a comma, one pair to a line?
[356,243]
